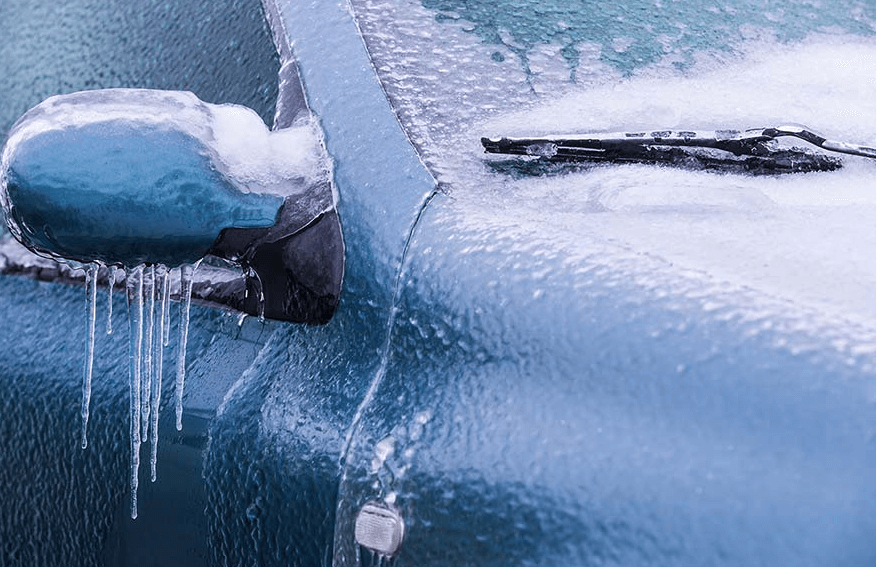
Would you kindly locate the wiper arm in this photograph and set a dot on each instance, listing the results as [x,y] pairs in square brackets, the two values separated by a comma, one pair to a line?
[672,146]
[817,140]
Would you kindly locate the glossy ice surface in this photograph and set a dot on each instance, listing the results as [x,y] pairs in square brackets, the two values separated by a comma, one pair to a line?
[219,50]
[63,505]
[608,366]
[623,364]
[127,176]
[631,35]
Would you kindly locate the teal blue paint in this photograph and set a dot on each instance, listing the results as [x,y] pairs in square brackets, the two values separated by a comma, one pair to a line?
[126,194]
[653,28]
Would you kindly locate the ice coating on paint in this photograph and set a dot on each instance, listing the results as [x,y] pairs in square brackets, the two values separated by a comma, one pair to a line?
[91,315]
[247,151]
[187,274]
[130,176]
[139,179]
[134,289]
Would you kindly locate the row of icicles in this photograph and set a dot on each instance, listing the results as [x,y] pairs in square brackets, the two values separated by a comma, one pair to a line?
[147,339]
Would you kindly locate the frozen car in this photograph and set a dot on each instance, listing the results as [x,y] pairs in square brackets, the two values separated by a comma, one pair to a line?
[530,362]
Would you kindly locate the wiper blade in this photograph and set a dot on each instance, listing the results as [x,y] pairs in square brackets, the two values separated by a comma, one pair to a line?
[752,149]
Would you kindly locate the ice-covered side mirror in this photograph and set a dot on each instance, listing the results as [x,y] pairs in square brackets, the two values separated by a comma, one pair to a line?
[127,177]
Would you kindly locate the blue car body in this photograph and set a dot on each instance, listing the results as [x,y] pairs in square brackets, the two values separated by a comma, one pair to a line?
[524,377]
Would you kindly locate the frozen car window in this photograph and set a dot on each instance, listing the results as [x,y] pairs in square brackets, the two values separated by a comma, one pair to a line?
[624,34]
[221,51]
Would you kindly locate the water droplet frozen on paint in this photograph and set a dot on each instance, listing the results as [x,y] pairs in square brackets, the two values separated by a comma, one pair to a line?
[383,450]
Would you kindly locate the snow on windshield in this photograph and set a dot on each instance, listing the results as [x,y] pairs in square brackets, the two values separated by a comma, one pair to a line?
[454,76]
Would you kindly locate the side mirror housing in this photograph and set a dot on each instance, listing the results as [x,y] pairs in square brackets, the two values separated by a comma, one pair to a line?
[127,177]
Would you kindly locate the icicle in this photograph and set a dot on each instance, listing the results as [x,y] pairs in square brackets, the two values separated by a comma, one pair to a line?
[166,308]
[134,288]
[253,275]
[187,273]
[146,382]
[91,315]
[162,276]
[111,283]
[261,306]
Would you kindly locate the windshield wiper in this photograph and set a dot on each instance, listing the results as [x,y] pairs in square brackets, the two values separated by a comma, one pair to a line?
[753,150]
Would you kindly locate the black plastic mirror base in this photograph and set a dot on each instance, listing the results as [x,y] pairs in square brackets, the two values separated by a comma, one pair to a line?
[294,278]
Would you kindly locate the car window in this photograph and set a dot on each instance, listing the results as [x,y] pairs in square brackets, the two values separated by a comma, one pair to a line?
[222,51]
